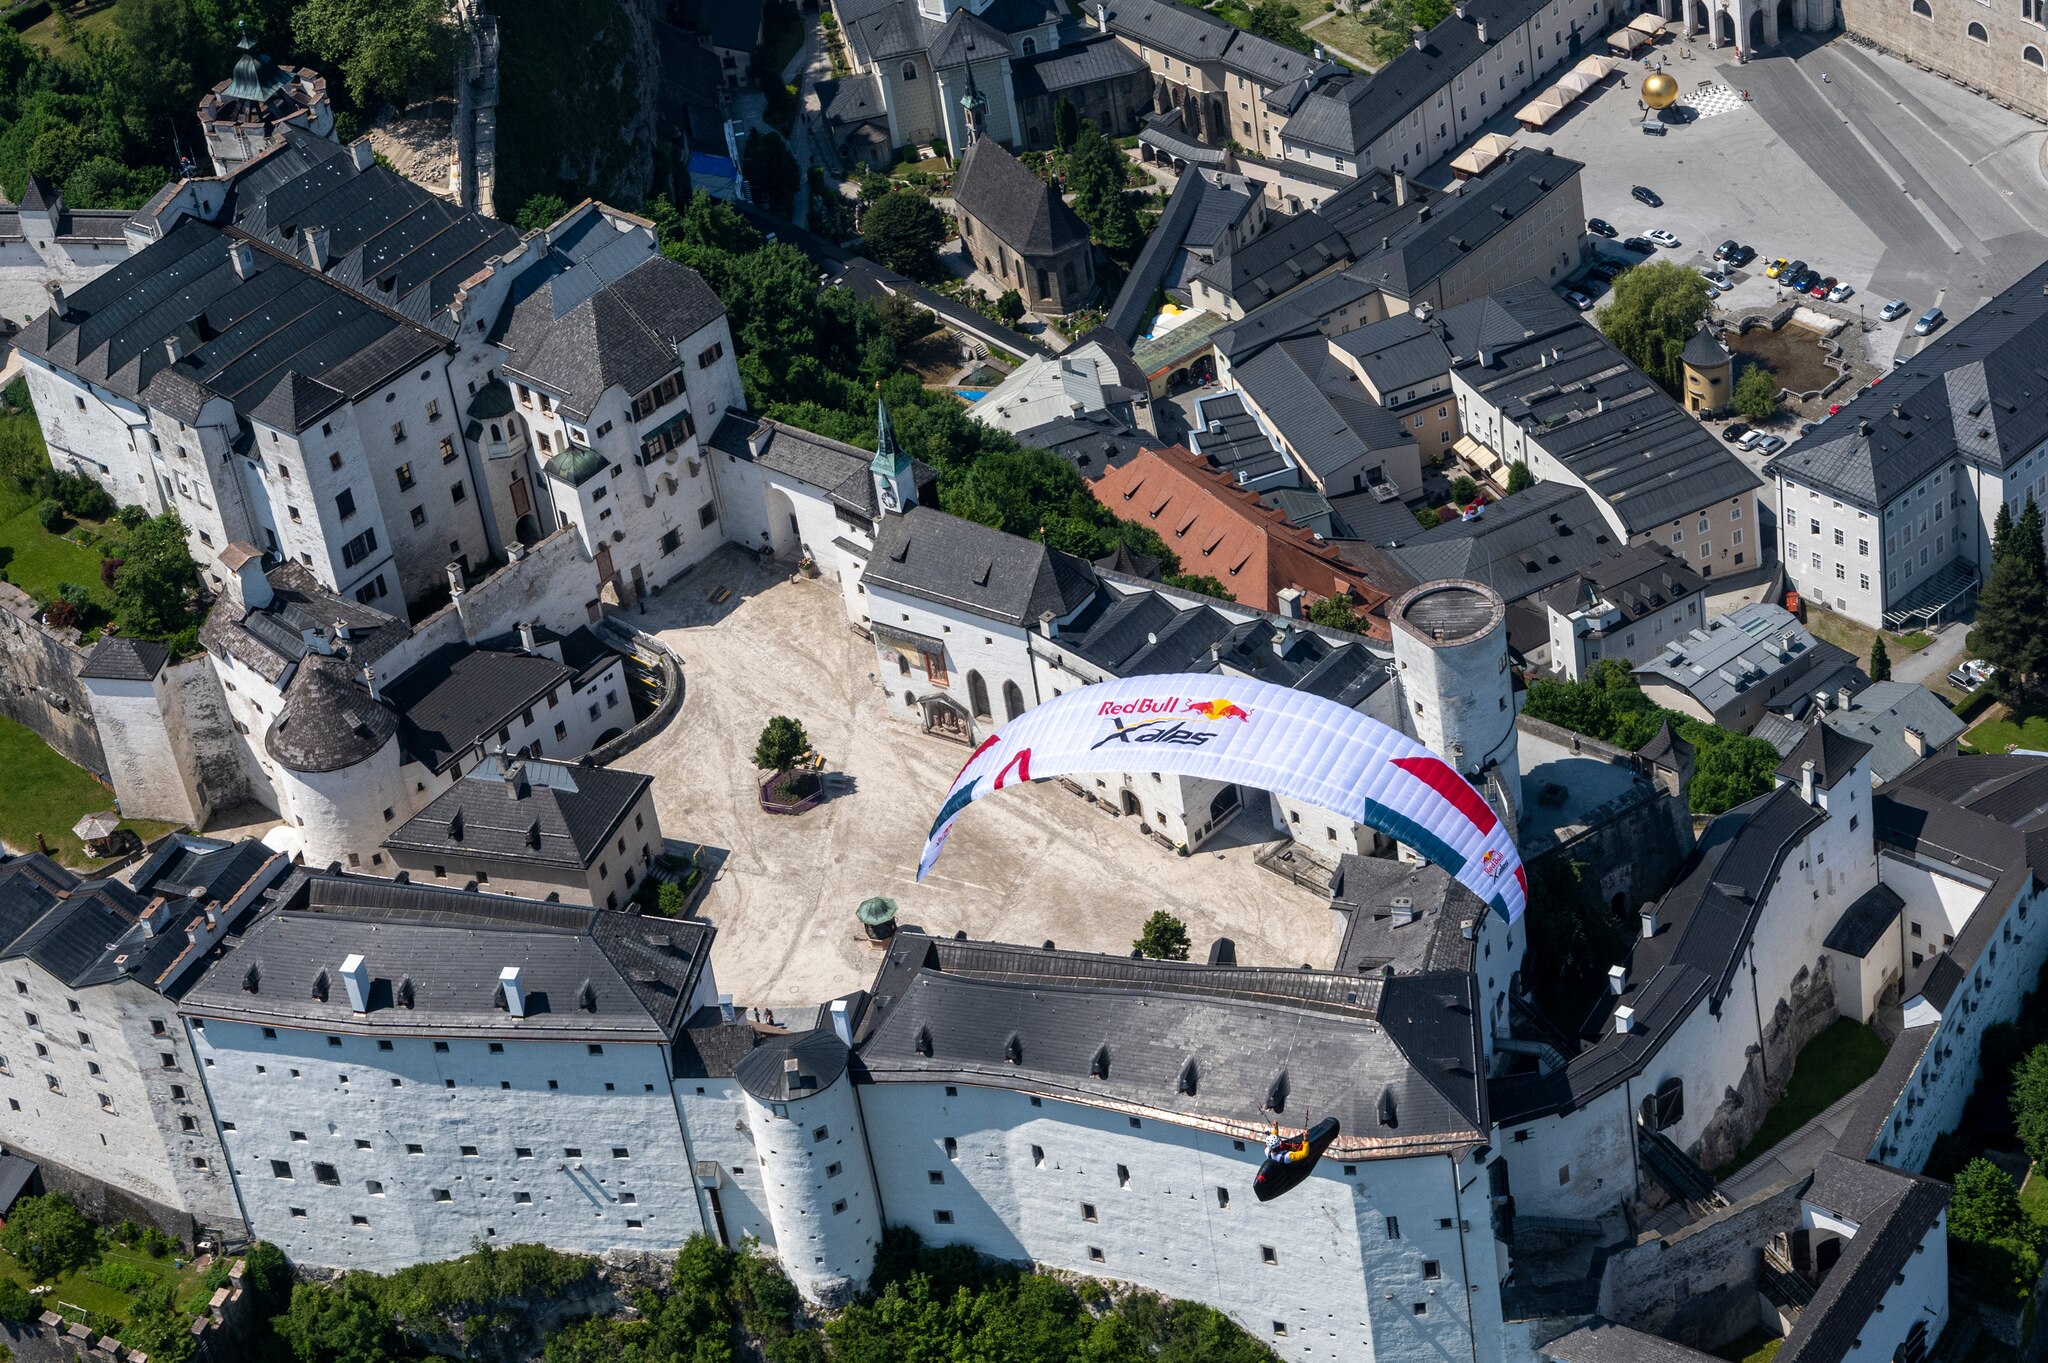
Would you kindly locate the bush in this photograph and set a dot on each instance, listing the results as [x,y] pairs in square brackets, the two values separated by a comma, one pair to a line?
[157,1244]
[1756,393]
[1463,490]
[131,517]
[668,900]
[782,742]
[15,1302]
[1426,517]
[48,1236]
[84,498]
[120,1275]
[1519,478]
[1010,307]
[50,514]
[1164,937]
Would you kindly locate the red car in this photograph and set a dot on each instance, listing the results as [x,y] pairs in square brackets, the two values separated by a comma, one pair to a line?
[1836,408]
[1822,289]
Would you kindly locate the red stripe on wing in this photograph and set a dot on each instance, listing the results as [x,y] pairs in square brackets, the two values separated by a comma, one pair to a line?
[1435,773]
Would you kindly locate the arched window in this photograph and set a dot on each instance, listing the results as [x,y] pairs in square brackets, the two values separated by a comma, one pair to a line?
[1013,700]
[910,70]
[1030,46]
[1920,8]
[2031,56]
[1976,30]
[977,695]
[902,664]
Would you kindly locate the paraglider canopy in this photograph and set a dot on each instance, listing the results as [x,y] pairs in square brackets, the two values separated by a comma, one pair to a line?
[1253,733]
[1289,1162]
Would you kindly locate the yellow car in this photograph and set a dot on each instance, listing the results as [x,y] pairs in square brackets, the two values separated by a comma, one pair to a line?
[1776,267]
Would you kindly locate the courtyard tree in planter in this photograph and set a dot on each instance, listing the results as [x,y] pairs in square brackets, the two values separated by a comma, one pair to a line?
[1164,938]
[782,742]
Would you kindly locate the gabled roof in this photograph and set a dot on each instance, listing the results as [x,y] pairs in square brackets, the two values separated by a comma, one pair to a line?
[967,38]
[1073,66]
[1864,923]
[119,658]
[1887,1236]
[1176,29]
[1205,1046]
[270,639]
[458,696]
[959,564]
[1523,544]
[531,812]
[1224,531]
[1000,192]
[1833,753]
[1324,414]
[1092,442]
[1880,714]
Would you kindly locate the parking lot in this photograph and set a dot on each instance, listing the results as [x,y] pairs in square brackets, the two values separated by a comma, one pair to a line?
[1886,177]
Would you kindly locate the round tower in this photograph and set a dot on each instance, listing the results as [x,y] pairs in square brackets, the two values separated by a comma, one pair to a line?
[815,1173]
[1709,374]
[1451,653]
[244,116]
[336,750]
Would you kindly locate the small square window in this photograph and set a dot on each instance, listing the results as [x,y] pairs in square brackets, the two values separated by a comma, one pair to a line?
[934,1176]
[1280,1327]
[834,1169]
[1095,1254]
[413,1149]
[522,1198]
[355,1220]
[839,1206]
[1432,1270]
[942,1217]
[632,1224]
[383,1045]
[469,1152]
[1422,1308]
[298,1138]
[298,1213]
[1268,1255]
[523,1152]
[572,1152]
[820,1134]
[595,1049]
[280,1168]
[497,1048]
[621,1152]
[324,1173]
[362,1144]
[443,1195]
[1088,1211]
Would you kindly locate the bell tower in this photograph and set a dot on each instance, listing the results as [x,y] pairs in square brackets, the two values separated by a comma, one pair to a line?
[895,481]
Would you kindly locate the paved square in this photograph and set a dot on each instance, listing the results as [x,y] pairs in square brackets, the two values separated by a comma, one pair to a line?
[1034,865]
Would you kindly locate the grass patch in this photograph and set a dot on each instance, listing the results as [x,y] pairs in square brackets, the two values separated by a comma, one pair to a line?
[92,16]
[1346,34]
[2012,731]
[1845,633]
[1833,1063]
[45,794]
[1755,1346]
[2034,1196]
[82,1291]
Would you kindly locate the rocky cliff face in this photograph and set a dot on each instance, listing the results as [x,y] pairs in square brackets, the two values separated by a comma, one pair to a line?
[577,92]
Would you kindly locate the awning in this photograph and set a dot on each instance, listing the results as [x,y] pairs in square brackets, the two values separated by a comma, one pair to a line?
[1649,24]
[1478,453]
[1540,110]
[1626,40]
[910,639]
[1599,67]
[1482,155]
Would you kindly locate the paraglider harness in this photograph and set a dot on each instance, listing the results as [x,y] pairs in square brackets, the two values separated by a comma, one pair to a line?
[1282,1150]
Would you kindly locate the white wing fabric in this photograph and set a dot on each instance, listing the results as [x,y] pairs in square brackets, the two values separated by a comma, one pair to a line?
[1254,733]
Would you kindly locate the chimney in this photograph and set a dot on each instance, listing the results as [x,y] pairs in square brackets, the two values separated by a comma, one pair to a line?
[1806,781]
[1480,25]
[455,579]
[174,347]
[1842,698]
[1289,601]
[1468,929]
[1420,37]
[1785,641]
[1459,9]
[726,1013]
[1624,1020]
[1048,625]
[526,640]
[370,680]
[356,976]
[515,994]
[758,438]
[1617,979]
[242,256]
[1102,20]
[316,239]
[842,1021]
[1404,911]
[1649,919]
[1917,741]
[249,578]
[57,304]
[362,153]
[1400,196]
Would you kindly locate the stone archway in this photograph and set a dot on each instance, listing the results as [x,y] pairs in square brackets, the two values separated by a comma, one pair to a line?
[1700,22]
[1724,29]
[1787,20]
[1756,29]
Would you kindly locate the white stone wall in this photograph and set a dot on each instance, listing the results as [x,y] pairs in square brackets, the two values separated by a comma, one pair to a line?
[1460,698]
[1576,1165]
[819,1189]
[1573,653]
[1920,1293]
[338,815]
[1022,1181]
[714,1113]
[91,430]
[1937,907]
[362,1109]
[995,651]
[86,1083]
[143,761]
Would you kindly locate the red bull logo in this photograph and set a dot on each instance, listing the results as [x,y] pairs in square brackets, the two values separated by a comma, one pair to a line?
[1492,862]
[1217,709]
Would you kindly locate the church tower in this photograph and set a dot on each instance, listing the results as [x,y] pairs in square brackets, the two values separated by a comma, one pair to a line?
[244,116]
[895,481]
[973,107]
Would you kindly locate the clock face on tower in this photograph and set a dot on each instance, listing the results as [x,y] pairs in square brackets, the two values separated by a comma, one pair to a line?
[888,492]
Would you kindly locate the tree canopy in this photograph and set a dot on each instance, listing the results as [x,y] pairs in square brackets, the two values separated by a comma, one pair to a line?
[1095,177]
[1164,937]
[1997,1245]
[903,231]
[782,742]
[1519,478]
[1654,311]
[2012,610]
[156,579]
[48,1236]
[1880,660]
[771,172]
[1756,393]
[380,48]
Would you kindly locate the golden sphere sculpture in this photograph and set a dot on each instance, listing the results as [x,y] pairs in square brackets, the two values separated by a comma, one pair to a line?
[1660,90]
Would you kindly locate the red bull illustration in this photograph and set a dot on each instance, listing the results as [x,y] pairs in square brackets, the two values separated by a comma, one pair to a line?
[1252,733]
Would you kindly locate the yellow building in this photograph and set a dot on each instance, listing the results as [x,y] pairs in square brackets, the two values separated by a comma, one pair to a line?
[1709,374]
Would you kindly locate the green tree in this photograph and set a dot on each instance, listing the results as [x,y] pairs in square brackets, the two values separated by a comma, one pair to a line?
[337,1325]
[15,1302]
[668,900]
[1463,490]
[1164,937]
[2012,610]
[1997,1243]
[1728,772]
[1276,20]
[48,1236]
[903,231]
[771,171]
[903,321]
[1880,660]
[1519,478]
[1010,307]
[1200,583]
[540,210]
[380,48]
[157,1327]
[1756,393]
[1095,175]
[1427,518]
[782,742]
[1655,309]
[1066,124]
[1334,612]
[2030,1102]
[157,577]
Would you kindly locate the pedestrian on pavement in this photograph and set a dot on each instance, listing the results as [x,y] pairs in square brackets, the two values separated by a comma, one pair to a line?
[1823,78]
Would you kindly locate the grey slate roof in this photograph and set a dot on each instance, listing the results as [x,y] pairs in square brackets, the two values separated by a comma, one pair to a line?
[1863,924]
[834,467]
[1525,543]
[272,638]
[1397,353]
[1000,192]
[1234,441]
[1326,416]
[1093,442]
[1830,1327]
[328,721]
[952,562]
[1879,716]
[578,344]
[1716,663]
[1176,29]
[1073,66]
[434,955]
[1456,224]
[1833,753]
[1974,391]
[1527,354]
[1640,579]
[1138,1035]
[1704,350]
[820,1056]
[1704,924]
[119,658]
[1401,915]
[851,99]
[1602,1341]
[286,345]
[458,696]
[528,812]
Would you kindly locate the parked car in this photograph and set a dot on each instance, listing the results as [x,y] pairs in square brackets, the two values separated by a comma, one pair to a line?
[1770,444]
[1640,245]
[1718,280]
[1793,271]
[1752,440]
[1735,430]
[1971,675]
[1809,427]
[1601,227]
[1892,311]
[1777,267]
[1722,251]
[1929,320]
[1648,196]
[1577,299]
[1604,271]
[1741,256]
[1662,238]
[1823,287]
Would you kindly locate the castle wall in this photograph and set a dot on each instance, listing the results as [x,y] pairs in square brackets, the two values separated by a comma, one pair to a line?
[39,683]
[1698,1285]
